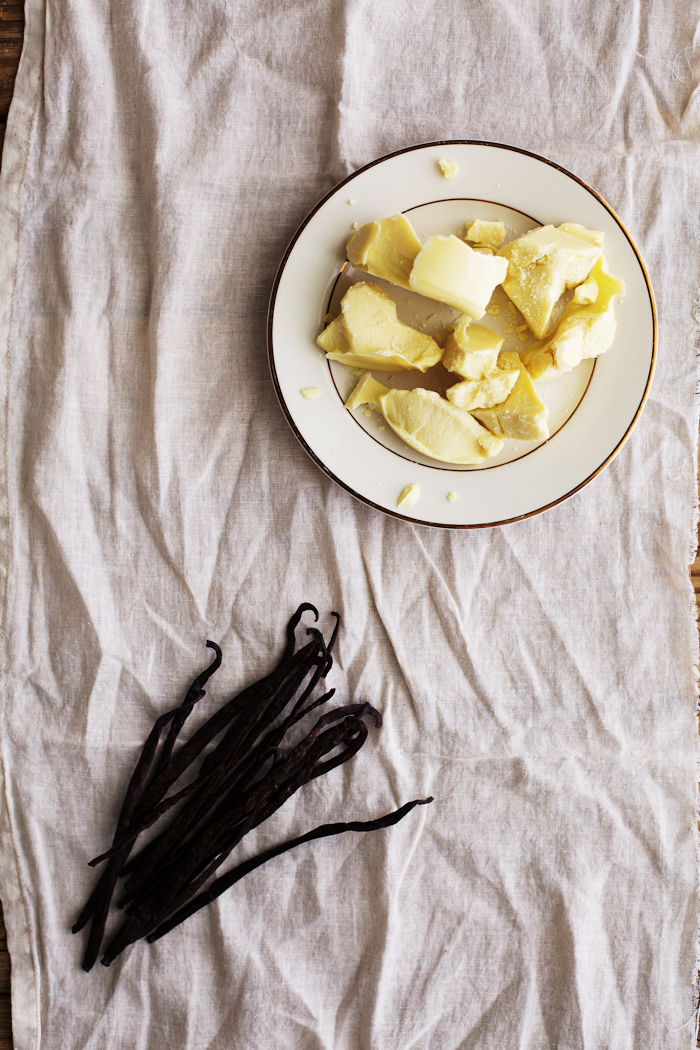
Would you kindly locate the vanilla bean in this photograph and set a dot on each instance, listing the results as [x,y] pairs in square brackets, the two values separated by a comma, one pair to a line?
[148,811]
[194,694]
[247,775]
[241,870]
[148,858]
[265,799]
[98,904]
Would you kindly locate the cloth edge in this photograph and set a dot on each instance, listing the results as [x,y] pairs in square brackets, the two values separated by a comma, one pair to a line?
[21,937]
[695,644]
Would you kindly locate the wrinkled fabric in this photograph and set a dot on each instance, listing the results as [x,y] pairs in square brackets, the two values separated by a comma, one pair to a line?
[537,679]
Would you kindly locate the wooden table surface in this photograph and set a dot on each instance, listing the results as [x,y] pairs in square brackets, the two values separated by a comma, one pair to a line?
[11,33]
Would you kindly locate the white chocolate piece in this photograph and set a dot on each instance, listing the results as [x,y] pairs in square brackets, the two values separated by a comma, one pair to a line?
[368,334]
[386,249]
[485,234]
[585,330]
[541,265]
[471,350]
[450,271]
[522,416]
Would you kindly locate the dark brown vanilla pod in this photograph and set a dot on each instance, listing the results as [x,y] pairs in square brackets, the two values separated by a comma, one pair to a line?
[194,693]
[139,801]
[150,807]
[211,847]
[241,870]
[145,863]
[212,785]
[97,907]
[283,779]
[234,772]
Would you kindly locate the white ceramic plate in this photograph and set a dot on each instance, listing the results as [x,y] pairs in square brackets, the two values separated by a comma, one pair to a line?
[592,409]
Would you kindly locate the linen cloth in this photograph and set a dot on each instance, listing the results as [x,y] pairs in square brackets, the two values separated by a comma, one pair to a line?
[537,679]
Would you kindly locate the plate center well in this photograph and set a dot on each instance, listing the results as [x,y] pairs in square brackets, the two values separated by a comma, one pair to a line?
[561,395]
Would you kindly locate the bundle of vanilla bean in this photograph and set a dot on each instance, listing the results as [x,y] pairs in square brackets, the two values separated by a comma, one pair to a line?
[240,781]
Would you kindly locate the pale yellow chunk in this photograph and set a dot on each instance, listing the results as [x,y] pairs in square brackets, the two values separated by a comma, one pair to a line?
[522,416]
[576,230]
[483,393]
[334,340]
[431,425]
[449,168]
[386,249]
[584,331]
[359,244]
[368,334]
[367,392]
[488,234]
[586,293]
[541,265]
[450,271]
[471,350]
[409,495]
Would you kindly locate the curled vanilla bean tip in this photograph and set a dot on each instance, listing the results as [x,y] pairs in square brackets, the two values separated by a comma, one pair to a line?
[369,710]
[213,666]
[293,624]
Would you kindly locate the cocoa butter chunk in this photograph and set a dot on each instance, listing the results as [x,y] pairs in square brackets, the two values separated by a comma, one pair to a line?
[450,271]
[486,392]
[368,334]
[523,415]
[431,425]
[541,265]
[367,392]
[586,328]
[577,230]
[487,234]
[385,248]
[471,350]
[408,496]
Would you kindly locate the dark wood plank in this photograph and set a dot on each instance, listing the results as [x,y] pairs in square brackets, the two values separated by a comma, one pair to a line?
[5,1023]
[11,37]
[12,32]
[5,1012]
